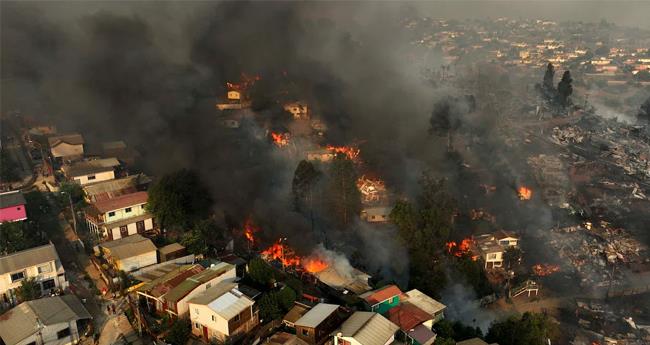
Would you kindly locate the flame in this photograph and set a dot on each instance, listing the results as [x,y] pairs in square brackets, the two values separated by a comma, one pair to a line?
[280,139]
[543,270]
[314,265]
[524,193]
[371,189]
[351,152]
[245,82]
[281,252]
[461,249]
[249,231]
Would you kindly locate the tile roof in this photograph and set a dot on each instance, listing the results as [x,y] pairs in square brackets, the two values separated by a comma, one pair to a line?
[13,198]
[317,315]
[368,328]
[28,258]
[381,294]
[407,316]
[120,202]
[129,246]
[22,321]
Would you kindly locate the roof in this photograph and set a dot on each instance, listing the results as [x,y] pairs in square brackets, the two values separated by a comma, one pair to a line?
[170,248]
[473,341]
[295,313]
[72,139]
[316,315]
[381,294]
[120,202]
[166,285]
[168,276]
[155,272]
[22,321]
[129,246]
[224,299]
[113,188]
[191,283]
[378,210]
[13,198]
[368,328]
[424,302]
[114,145]
[357,282]
[407,316]
[284,338]
[501,234]
[28,258]
[90,167]
[422,334]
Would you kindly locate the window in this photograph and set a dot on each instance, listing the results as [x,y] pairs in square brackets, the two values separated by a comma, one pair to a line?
[17,276]
[18,208]
[305,332]
[127,210]
[236,318]
[196,311]
[111,214]
[91,177]
[142,207]
[48,284]
[492,256]
[63,333]
[212,317]
[32,343]
[47,268]
[196,325]
[207,286]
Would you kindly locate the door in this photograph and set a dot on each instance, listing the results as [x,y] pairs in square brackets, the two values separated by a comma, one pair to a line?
[124,231]
[205,333]
[140,226]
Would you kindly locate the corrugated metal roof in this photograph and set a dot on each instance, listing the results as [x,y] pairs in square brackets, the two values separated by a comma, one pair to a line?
[368,328]
[90,167]
[316,315]
[114,188]
[473,341]
[28,258]
[407,316]
[13,198]
[224,299]
[22,321]
[424,302]
[129,246]
[381,294]
[170,248]
[121,201]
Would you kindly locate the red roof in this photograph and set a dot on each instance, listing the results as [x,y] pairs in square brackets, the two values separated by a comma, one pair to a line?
[407,316]
[122,201]
[164,287]
[382,294]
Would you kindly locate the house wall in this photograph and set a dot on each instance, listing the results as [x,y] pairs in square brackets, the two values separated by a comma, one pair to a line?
[6,285]
[132,228]
[50,338]
[182,308]
[102,176]
[122,214]
[202,315]
[319,334]
[494,259]
[12,214]
[352,341]
[137,262]
[384,306]
[67,150]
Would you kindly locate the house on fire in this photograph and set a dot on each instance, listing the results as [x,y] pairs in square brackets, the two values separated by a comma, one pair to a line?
[70,146]
[222,312]
[298,110]
[129,253]
[91,171]
[318,323]
[41,263]
[12,207]
[120,217]
[365,328]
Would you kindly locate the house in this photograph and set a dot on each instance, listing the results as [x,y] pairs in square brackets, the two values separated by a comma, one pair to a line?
[382,299]
[491,247]
[154,290]
[318,323]
[427,304]
[176,299]
[120,217]
[12,207]
[129,253]
[322,155]
[67,146]
[365,328]
[221,312]
[356,281]
[299,110]
[92,171]
[113,188]
[506,239]
[58,320]
[474,341]
[284,338]
[171,252]
[376,214]
[294,314]
[411,321]
[41,263]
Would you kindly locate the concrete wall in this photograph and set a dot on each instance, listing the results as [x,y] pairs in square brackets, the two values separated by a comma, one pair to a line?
[102,176]
[182,304]
[31,272]
[50,338]
[203,316]
[137,262]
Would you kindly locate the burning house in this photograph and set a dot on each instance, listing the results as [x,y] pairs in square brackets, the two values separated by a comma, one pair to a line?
[299,110]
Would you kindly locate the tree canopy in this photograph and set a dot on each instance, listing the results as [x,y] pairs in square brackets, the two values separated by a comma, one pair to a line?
[343,196]
[178,199]
[8,167]
[28,290]
[526,329]
[179,332]
[564,89]
[304,181]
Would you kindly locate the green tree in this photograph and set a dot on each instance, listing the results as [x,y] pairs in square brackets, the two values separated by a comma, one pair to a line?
[344,198]
[179,332]
[286,297]
[195,242]
[8,168]
[28,290]
[564,89]
[76,193]
[12,238]
[547,84]
[304,181]
[260,272]
[405,216]
[526,329]
[179,199]
[269,307]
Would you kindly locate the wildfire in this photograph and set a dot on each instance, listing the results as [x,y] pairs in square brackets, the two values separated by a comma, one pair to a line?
[371,189]
[524,193]
[351,152]
[543,270]
[280,139]
[249,231]
[281,252]
[245,82]
[314,265]
[461,249]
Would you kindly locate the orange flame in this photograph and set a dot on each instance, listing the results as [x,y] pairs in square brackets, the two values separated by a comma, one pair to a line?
[524,193]
[280,139]
[281,252]
[351,152]
[249,231]
[314,265]
[461,249]
[542,270]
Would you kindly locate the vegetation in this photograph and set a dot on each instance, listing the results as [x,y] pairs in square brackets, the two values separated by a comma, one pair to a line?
[343,198]
[273,305]
[179,332]
[512,257]
[76,193]
[204,234]
[28,290]
[526,329]
[179,199]
[260,272]
[304,181]
[450,331]
[564,89]
[547,86]
[23,235]
[8,168]
[644,111]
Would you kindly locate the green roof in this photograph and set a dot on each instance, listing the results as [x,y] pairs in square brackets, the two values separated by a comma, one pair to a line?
[180,291]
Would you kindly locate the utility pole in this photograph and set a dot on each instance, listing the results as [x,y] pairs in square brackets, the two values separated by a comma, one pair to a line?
[74,216]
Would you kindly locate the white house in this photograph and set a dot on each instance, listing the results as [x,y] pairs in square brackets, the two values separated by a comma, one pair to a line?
[58,320]
[299,110]
[221,312]
[365,328]
[491,247]
[129,253]
[93,171]
[506,239]
[41,263]
[66,146]
[120,217]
